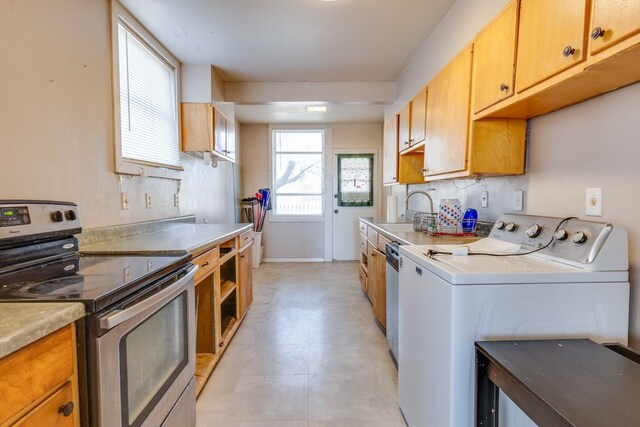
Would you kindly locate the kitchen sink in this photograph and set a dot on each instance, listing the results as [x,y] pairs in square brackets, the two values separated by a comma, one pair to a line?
[397,226]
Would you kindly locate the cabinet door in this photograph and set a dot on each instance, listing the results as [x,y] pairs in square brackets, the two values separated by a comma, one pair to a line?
[50,414]
[220,131]
[371,278]
[245,283]
[551,38]
[448,119]
[378,281]
[404,123]
[613,21]
[494,56]
[197,126]
[230,150]
[418,117]
[390,148]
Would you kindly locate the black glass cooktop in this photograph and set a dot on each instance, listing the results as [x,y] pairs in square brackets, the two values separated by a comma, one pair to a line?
[95,281]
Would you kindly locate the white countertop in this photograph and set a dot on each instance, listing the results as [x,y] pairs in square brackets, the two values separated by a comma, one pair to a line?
[186,239]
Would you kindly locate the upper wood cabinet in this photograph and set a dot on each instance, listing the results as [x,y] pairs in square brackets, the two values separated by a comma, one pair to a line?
[418,120]
[613,21]
[404,127]
[494,56]
[390,151]
[551,39]
[412,121]
[448,117]
[206,129]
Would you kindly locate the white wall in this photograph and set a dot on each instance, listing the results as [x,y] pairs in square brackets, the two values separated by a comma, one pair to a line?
[294,240]
[592,144]
[56,131]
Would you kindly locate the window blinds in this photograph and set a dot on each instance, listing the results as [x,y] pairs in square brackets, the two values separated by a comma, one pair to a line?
[148,116]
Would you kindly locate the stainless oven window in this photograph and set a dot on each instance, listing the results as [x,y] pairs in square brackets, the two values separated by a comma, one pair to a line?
[151,356]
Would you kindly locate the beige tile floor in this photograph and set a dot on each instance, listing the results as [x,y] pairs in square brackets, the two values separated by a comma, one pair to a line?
[307,354]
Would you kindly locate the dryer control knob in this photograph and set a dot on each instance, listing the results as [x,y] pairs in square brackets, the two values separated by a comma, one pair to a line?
[533,231]
[500,225]
[511,227]
[561,234]
[579,237]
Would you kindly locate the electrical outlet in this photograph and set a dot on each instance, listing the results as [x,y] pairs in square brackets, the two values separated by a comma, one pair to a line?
[147,200]
[517,200]
[124,201]
[205,220]
[176,200]
[485,199]
[594,202]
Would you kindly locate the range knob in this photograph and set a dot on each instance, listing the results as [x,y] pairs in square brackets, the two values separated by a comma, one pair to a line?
[561,234]
[71,215]
[533,231]
[579,237]
[57,216]
[500,225]
[511,227]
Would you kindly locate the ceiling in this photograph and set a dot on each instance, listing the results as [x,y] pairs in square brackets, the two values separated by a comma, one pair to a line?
[293,40]
[296,113]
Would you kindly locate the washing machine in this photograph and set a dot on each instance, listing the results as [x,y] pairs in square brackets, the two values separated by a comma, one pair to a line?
[533,278]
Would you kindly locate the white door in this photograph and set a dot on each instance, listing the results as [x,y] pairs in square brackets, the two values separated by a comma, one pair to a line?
[345,204]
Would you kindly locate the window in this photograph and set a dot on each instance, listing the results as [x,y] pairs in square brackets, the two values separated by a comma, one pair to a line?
[298,172]
[146,101]
[355,180]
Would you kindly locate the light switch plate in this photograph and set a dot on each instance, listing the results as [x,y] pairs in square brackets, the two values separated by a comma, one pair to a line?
[485,199]
[517,200]
[124,201]
[147,200]
[593,205]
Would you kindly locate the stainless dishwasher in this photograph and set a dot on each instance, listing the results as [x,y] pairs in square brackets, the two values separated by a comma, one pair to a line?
[393,259]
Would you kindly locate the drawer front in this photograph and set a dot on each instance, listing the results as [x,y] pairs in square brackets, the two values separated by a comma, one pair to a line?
[382,243]
[245,239]
[363,228]
[32,372]
[363,279]
[49,413]
[207,262]
[372,235]
[363,244]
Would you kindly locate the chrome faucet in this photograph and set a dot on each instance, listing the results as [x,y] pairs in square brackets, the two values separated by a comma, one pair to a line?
[406,204]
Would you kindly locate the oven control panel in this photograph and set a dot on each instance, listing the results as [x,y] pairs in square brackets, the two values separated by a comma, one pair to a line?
[569,239]
[26,218]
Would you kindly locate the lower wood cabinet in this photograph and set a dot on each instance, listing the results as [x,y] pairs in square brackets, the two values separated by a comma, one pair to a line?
[245,282]
[39,383]
[223,292]
[377,288]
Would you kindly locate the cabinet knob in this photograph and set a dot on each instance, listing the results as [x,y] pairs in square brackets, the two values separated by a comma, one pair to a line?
[424,170]
[504,87]
[66,409]
[597,33]
[568,51]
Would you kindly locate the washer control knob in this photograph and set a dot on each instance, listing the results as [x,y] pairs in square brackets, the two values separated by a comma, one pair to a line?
[579,237]
[57,216]
[70,215]
[561,234]
[511,227]
[500,225]
[533,231]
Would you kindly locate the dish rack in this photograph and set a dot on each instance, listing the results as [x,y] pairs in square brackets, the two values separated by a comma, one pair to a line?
[428,222]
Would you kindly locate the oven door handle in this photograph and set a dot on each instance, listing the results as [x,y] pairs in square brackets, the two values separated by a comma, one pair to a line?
[120,316]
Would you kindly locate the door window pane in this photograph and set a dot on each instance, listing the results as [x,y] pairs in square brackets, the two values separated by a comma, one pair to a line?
[355,179]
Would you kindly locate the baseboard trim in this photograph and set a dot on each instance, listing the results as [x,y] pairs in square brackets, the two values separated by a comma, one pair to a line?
[293,260]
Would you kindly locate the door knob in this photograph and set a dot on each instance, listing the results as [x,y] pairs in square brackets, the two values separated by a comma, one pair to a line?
[335,196]
[335,211]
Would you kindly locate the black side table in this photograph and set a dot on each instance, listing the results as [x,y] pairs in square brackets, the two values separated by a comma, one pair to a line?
[559,382]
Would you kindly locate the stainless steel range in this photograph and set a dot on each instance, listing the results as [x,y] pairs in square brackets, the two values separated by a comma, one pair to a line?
[137,341]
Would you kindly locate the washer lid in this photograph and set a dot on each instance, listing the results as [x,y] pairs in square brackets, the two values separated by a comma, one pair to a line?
[485,269]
